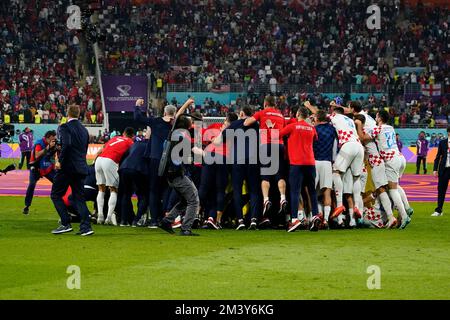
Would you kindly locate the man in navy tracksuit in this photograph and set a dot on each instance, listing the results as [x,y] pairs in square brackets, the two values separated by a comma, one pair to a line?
[134,175]
[160,128]
[244,166]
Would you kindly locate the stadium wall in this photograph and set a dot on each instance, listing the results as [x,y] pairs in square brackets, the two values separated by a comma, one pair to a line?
[39,130]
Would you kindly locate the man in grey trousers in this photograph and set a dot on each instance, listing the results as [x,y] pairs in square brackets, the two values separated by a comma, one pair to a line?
[183,186]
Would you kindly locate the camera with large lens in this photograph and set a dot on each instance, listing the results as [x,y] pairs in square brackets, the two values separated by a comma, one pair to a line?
[6,133]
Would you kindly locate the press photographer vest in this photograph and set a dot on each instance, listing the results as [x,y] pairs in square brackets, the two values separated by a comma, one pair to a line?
[47,162]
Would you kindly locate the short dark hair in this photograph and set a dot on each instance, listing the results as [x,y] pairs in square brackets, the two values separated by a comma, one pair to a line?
[231,116]
[183,122]
[383,115]
[339,110]
[50,133]
[129,132]
[248,111]
[270,100]
[360,117]
[73,111]
[303,112]
[294,110]
[322,116]
[356,106]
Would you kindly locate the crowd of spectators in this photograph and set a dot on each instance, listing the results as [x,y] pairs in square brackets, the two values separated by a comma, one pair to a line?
[303,42]
[39,75]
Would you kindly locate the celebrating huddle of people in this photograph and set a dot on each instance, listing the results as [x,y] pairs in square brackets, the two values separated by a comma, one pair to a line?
[255,170]
[316,165]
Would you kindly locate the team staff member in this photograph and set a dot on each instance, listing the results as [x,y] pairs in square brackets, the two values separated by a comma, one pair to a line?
[442,170]
[26,146]
[72,170]
[324,148]
[214,176]
[270,120]
[42,164]
[160,127]
[107,175]
[302,167]
[134,174]
[175,170]
[244,165]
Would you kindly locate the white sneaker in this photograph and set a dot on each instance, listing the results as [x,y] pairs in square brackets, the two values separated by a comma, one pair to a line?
[352,223]
[437,214]
[113,220]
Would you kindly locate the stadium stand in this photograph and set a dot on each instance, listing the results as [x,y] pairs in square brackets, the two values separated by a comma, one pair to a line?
[40,69]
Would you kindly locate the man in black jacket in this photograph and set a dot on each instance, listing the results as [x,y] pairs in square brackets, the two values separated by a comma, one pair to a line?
[71,171]
[441,169]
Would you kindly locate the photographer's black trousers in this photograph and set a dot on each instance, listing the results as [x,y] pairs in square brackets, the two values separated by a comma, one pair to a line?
[34,178]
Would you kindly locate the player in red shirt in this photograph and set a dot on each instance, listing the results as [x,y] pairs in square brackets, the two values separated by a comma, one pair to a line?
[302,167]
[106,173]
[271,121]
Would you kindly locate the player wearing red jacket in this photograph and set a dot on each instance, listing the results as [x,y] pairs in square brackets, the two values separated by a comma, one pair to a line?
[106,173]
[271,121]
[302,167]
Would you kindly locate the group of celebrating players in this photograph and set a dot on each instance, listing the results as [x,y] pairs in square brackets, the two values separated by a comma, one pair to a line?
[323,161]
[320,162]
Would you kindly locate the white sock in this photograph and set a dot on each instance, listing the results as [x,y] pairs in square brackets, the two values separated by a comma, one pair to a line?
[404,197]
[357,194]
[112,203]
[398,203]
[301,214]
[351,214]
[282,197]
[386,203]
[338,188]
[100,203]
[320,207]
[327,210]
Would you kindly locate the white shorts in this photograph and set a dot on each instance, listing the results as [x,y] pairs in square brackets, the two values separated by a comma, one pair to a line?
[395,168]
[351,155]
[324,174]
[379,175]
[106,172]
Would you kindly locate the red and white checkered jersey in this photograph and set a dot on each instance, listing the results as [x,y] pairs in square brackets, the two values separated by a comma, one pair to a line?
[345,128]
[384,136]
[373,214]
[374,157]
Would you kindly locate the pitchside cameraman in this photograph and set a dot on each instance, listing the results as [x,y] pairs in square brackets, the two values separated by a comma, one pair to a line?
[42,164]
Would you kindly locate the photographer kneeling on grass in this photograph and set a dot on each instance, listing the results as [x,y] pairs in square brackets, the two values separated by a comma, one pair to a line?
[42,164]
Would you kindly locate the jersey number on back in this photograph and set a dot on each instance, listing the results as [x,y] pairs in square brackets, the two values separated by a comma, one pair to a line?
[390,139]
[117,141]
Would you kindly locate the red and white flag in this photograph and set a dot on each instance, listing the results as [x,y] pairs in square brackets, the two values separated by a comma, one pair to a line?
[431,90]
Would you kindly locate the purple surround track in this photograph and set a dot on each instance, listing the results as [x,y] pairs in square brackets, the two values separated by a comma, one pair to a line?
[421,188]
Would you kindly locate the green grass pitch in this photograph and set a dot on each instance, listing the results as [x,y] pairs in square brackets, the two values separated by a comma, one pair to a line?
[140,263]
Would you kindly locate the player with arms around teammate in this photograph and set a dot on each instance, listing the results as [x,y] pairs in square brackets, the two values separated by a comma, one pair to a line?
[302,171]
[350,157]
[107,175]
[270,120]
[324,148]
[395,162]
[365,123]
